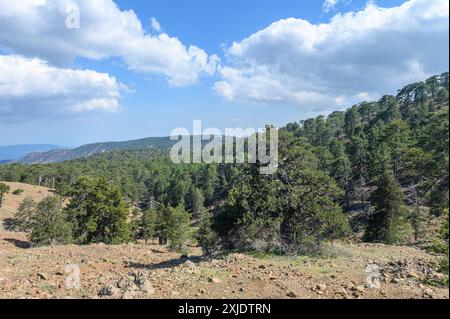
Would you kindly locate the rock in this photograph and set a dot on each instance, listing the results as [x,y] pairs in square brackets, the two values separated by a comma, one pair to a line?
[123,283]
[42,276]
[428,293]
[107,291]
[262,267]
[413,274]
[292,294]
[142,283]
[215,280]
[321,287]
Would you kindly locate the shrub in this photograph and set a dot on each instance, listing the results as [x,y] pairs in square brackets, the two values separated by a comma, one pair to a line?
[18,191]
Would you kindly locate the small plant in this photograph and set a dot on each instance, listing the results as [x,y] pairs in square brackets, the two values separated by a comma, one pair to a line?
[18,191]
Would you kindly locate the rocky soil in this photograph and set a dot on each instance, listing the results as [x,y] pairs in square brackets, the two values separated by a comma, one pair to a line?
[151,271]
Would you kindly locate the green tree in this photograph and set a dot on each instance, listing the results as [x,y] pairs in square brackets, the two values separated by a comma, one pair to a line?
[307,199]
[198,202]
[397,136]
[389,223]
[24,214]
[4,189]
[209,180]
[206,237]
[295,210]
[49,225]
[98,212]
[434,138]
[136,223]
[359,157]
[148,225]
[179,229]
[163,224]
[341,168]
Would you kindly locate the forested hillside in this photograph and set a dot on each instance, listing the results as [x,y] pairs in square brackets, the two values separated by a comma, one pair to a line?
[61,155]
[385,162]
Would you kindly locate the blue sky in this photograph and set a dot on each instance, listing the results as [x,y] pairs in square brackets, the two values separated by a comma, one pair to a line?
[278,70]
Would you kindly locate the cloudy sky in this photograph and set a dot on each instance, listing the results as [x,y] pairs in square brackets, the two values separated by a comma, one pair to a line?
[80,71]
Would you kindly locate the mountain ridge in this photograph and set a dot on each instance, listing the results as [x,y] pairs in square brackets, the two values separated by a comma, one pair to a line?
[9,153]
[86,150]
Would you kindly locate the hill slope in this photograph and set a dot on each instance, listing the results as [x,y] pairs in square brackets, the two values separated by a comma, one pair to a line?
[41,272]
[14,152]
[55,156]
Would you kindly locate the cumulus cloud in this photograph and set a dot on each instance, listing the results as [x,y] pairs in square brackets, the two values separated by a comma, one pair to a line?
[355,56]
[30,88]
[38,28]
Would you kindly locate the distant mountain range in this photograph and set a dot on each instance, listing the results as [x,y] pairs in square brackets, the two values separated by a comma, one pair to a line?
[15,152]
[60,155]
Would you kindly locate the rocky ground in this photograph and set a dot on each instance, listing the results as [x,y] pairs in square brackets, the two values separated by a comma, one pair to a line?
[150,271]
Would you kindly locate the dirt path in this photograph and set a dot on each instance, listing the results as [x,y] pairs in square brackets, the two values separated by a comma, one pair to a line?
[139,271]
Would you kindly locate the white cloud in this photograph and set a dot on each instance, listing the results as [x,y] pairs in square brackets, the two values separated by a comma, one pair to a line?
[354,56]
[37,28]
[30,88]
[156,26]
[329,5]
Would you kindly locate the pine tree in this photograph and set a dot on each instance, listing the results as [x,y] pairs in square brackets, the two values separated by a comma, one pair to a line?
[198,202]
[341,168]
[49,225]
[389,223]
[179,229]
[148,225]
[98,212]
[24,214]
[136,220]
[162,224]
[359,157]
[209,181]
[206,236]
